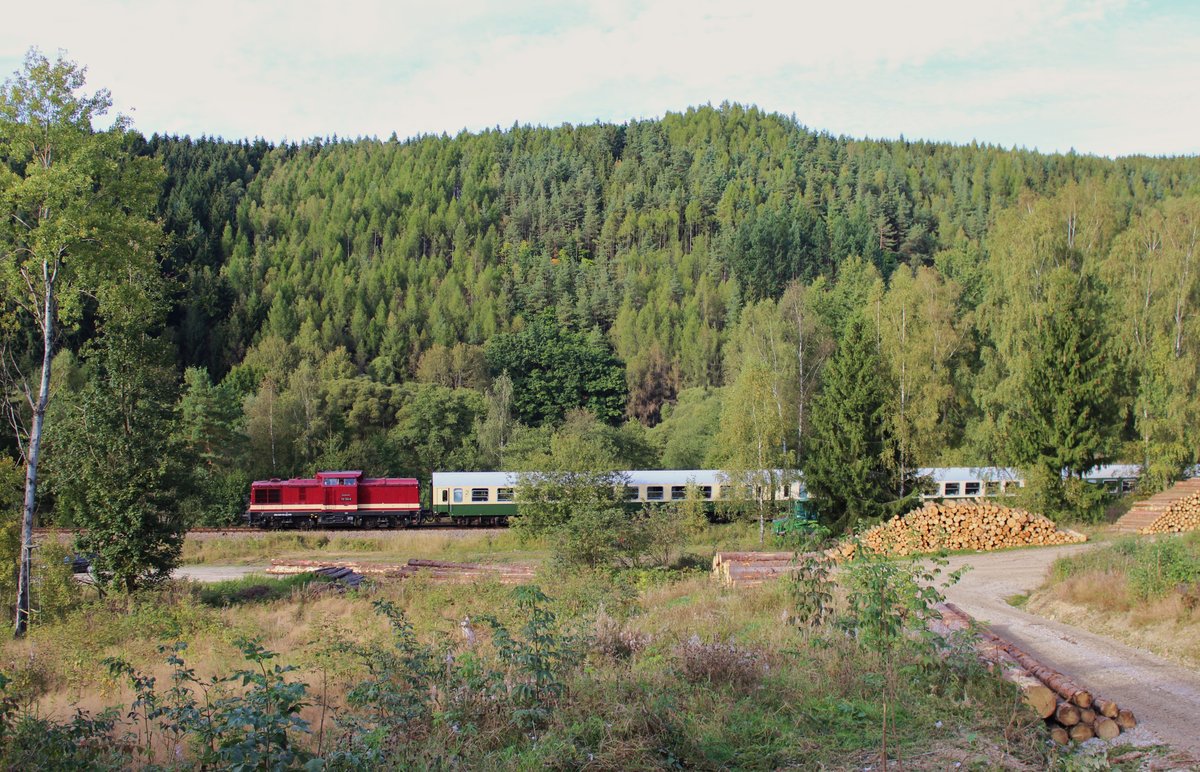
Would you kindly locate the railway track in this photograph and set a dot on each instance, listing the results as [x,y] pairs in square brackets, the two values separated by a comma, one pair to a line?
[241,530]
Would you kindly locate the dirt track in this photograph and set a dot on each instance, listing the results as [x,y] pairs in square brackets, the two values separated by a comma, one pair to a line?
[1164,696]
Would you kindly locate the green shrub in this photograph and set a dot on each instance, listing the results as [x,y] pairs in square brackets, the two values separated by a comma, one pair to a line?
[1161,565]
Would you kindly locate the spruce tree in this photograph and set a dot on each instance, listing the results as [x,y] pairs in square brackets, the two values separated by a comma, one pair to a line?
[850,471]
[1069,402]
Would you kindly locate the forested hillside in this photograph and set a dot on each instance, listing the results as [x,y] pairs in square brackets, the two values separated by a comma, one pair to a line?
[453,302]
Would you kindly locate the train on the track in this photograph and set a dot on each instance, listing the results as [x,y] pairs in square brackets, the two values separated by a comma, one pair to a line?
[348,499]
[335,499]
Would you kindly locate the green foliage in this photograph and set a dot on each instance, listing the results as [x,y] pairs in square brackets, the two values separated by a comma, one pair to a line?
[811,587]
[771,248]
[1065,414]
[116,470]
[536,658]
[255,589]
[555,370]
[257,727]
[435,427]
[1161,566]
[850,469]
[889,602]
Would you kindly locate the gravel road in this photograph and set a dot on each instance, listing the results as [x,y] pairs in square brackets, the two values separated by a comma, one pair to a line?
[1164,696]
[215,573]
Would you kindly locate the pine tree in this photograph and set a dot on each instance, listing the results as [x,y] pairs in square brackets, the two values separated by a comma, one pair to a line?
[849,469]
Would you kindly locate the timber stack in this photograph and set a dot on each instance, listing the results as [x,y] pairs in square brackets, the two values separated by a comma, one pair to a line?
[1175,510]
[962,525]
[1071,712]
[438,570]
[750,568]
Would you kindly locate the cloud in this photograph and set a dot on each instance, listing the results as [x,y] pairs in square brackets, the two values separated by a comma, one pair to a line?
[1007,73]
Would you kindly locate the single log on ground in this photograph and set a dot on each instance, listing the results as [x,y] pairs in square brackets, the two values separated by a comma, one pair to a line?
[1061,684]
[1059,735]
[1081,732]
[1125,719]
[1106,728]
[1087,715]
[506,567]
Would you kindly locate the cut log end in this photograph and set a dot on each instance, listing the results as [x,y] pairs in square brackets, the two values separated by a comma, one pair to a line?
[1106,728]
[1066,714]
[1081,732]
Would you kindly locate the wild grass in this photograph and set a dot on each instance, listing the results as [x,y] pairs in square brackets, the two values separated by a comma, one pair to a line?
[675,671]
[1145,591]
[391,546]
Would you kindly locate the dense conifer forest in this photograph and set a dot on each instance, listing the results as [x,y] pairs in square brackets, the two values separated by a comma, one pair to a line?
[680,291]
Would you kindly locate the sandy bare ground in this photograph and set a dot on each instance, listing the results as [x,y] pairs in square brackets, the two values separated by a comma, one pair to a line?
[1164,696]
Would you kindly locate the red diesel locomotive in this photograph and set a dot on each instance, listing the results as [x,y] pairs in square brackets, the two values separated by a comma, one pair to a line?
[335,498]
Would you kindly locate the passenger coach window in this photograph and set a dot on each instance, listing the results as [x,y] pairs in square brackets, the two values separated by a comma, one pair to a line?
[504,494]
[654,493]
[992,487]
[706,491]
[972,489]
[678,492]
[951,489]
[631,493]
[445,495]
[479,494]
[458,495]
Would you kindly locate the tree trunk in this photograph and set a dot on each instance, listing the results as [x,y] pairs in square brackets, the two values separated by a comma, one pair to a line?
[31,459]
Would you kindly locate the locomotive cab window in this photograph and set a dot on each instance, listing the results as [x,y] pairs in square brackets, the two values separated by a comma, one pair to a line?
[678,492]
[951,489]
[330,481]
[654,493]
[479,495]
[504,494]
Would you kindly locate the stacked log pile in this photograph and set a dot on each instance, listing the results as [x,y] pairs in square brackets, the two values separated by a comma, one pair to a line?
[750,568]
[1072,712]
[438,570]
[962,525]
[1173,511]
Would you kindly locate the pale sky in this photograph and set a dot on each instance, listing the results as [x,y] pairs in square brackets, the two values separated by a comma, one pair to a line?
[1109,77]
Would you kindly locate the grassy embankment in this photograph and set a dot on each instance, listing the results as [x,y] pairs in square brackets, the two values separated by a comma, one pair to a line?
[1137,589]
[483,545]
[665,669]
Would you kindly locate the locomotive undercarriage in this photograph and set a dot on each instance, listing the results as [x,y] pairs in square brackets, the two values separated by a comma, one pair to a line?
[308,521]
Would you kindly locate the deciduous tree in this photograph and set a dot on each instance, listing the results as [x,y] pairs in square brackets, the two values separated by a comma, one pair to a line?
[76,222]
